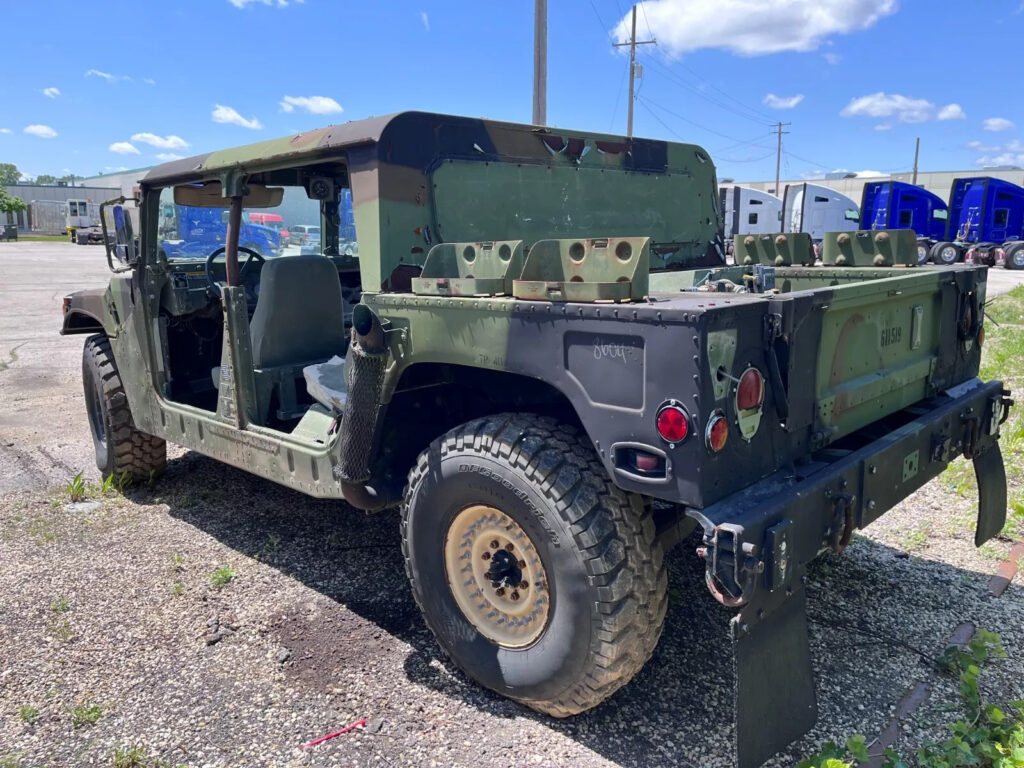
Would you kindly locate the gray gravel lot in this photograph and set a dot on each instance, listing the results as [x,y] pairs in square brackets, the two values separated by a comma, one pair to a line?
[318,628]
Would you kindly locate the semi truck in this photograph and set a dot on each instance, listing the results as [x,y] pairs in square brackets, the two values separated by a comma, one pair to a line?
[79,219]
[899,205]
[986,223]
[194,229]
[747,211]
[816,210]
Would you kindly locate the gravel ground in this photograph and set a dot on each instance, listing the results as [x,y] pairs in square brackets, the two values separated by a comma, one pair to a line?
[111,605]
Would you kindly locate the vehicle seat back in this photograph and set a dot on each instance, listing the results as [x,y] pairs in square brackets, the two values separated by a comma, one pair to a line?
[300,315]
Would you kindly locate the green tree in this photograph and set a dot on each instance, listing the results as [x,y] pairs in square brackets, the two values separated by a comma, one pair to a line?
[45,178]
[9,174]
[10,203]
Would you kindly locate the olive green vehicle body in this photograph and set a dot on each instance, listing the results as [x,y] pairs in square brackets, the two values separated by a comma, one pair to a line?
[584,293]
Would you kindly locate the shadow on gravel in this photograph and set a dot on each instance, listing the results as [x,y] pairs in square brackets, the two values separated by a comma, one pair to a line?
[870,609]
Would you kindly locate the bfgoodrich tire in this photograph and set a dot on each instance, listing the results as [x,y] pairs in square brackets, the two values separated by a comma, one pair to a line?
[122,451]
[584,609]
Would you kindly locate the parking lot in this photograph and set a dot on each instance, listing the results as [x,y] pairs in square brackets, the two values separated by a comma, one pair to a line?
[114,606]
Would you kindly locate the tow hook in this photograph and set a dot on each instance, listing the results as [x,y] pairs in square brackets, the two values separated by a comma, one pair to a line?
[731,566]
[842,523]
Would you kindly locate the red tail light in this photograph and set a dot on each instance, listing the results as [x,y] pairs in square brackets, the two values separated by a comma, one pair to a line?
[970,256]
[717,432]
[750,392]
[1000,257]
[673,424]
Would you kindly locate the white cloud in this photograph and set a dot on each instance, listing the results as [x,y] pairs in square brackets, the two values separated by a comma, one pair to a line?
[951,112]
[903,108]
[149,81]
[425,19]
[997,124]
[1010,153]
[42,131]
[316,105]
[858,174]
[51,92]
[105,75]
[753,27]
[782,102]
[883,127]
[165,156]
[831,58]
[222,114]
[123,148]
[161,142]
[6,130]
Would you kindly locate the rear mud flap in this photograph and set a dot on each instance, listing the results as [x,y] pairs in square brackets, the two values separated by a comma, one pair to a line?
[991,475]
[775,701]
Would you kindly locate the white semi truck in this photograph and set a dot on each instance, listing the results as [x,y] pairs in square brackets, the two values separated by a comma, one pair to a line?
[816,210]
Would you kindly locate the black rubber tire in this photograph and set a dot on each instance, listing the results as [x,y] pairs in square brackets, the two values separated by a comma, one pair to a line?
[122,451]
[605,569]
[1015,252]
[923,252]
[937,250]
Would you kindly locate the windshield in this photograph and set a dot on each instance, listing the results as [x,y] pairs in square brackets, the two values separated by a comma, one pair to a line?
[190,232]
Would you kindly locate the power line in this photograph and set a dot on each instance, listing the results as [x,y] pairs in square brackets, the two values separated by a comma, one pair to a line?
[618,98]
[746,115]
[645,101]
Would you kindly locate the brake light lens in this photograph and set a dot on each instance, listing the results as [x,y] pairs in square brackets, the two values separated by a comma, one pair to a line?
[981,336]
[750,392]
[1000,257]
[716,433]
[970,256]
[673,424]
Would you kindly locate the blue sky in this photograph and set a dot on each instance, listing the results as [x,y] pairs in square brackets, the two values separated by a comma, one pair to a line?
[94,87]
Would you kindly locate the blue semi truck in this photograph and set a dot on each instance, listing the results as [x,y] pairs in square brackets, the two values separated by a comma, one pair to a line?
[192,231]
[898,205]
[983,222]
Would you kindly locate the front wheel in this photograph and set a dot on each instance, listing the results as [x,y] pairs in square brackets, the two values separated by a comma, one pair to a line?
[538,576]
[122,451]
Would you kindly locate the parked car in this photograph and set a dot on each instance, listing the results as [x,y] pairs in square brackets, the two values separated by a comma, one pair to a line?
[300,233]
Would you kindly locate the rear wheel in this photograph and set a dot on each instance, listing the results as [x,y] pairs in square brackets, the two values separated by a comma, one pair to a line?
[540,579]
[122,451]
[1015,256]
[922,252]
[946,253]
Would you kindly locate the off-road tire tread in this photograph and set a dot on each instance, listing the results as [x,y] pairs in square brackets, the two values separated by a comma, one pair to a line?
[613,530]
[137,455]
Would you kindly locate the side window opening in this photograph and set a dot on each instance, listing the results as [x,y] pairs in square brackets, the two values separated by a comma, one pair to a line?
[1001,216]
[906,218]
[752,218]
[820,199]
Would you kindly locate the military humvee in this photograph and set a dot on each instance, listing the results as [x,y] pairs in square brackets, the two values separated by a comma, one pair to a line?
[540,356]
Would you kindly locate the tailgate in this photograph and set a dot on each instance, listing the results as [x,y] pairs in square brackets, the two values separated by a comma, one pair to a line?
[885,344]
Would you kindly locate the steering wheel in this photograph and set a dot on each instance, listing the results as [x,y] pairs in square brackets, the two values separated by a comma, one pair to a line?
[214,286]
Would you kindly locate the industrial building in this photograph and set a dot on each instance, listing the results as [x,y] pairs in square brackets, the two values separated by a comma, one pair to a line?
[92,192]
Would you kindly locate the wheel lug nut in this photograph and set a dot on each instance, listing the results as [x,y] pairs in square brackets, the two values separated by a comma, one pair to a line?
[501,591]
[515,595]
[522,563]
[486,555]
[494,544]
[524,584]
[509,546]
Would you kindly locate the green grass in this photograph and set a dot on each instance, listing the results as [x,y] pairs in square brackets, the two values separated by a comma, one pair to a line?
[76,488]
[221,577]
[84,714]
[43,238]
[1008,308]
[63,605]
[135,757]
[28,714]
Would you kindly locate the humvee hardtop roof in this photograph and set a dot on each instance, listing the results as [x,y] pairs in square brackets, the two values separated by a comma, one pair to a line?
[407,137]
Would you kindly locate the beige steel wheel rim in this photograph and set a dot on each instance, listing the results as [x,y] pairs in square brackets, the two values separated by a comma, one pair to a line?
[496,576]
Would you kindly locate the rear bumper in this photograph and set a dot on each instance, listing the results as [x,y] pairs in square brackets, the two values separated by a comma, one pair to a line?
[784,521]
[758,542]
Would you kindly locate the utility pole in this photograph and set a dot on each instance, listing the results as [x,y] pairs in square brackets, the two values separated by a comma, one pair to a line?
[917,152]
[540,62]
[633,43]
[778,155]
